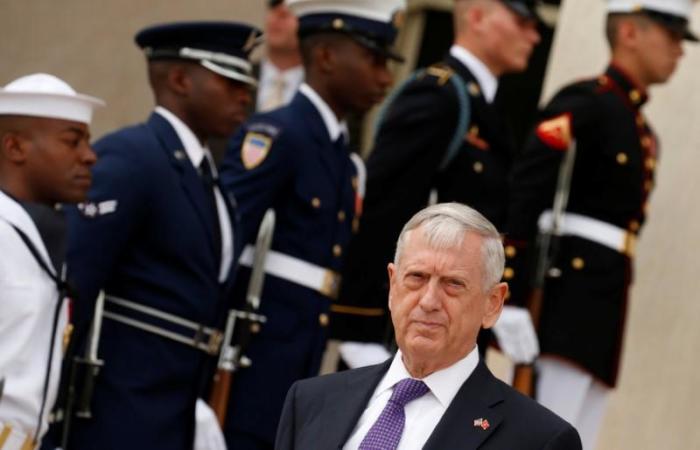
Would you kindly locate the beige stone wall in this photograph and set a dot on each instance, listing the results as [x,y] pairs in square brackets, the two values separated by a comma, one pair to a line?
[90,44]
[657,403]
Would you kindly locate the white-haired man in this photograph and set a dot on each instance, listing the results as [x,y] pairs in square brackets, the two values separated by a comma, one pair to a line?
[444,286]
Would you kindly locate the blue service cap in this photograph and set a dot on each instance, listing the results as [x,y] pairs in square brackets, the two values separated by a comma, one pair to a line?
[372,23]
[222,47]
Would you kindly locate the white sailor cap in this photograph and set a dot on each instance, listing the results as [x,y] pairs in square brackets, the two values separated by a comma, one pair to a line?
[673,14]
[44,95]
[373,23]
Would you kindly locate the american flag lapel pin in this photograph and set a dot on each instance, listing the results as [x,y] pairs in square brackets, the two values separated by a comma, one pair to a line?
[482,423]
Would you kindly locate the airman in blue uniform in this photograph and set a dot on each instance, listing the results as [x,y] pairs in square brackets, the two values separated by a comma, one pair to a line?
[156,235]
[295,160]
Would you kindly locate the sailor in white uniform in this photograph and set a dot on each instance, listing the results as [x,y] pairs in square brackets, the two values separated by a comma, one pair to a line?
[45,160]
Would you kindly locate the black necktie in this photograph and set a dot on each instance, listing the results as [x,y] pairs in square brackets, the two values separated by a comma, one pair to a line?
[209,181]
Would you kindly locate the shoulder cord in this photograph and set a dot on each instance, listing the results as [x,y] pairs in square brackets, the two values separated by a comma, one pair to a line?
[462,122]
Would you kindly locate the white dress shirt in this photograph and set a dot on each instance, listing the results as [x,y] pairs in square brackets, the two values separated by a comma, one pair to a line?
[196,153]
[277,87]
[423,413]
[333,125]
[487,80]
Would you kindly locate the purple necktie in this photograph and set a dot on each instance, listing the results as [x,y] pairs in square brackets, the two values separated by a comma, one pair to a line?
[385,434]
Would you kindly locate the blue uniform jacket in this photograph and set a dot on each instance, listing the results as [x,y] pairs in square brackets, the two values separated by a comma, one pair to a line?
[145,235]
[309,182]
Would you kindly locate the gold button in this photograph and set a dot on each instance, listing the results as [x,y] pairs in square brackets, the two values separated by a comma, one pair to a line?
[508,273]
[603,80]
[337,250]
[577,263]
[474,130]
[650,163]
[621,158]
[634,226]
[474,89]
[316,202]
[341,216]
[323,319]
[478,167]
[511,251]
[67,333]
[648,185]
[640,120]
[355,225]
[646,142]
[354,183]
[507,297]
[635,96]
[255,328]
[338,24]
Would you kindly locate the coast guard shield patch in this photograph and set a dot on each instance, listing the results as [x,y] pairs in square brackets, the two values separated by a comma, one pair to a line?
[255,149]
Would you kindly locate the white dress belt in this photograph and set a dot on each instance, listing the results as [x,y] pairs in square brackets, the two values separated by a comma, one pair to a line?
[297,271]
[595,230]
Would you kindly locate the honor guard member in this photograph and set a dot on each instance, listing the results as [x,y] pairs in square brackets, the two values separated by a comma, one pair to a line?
[295,160]
[585,294]
[156,235]
[440,132]
[45,160]
[281,71]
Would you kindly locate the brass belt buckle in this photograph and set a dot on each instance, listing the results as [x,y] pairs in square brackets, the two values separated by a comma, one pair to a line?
[331,284]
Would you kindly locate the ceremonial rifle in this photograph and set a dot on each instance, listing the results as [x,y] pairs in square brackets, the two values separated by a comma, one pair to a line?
[232,356]
[88,367]
[524,377]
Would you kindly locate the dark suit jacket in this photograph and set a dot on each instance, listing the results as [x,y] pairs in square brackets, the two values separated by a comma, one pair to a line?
[156,248]
[321,413]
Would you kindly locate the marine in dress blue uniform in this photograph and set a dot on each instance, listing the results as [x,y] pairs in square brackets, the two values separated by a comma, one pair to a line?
[295,160]
[586,292]
[156,235]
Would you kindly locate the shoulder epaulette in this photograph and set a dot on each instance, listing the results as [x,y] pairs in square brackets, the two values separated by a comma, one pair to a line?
[442,72]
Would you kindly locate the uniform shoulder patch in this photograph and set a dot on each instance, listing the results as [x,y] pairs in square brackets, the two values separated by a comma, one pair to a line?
[556,132]
[440,71]
[255,148]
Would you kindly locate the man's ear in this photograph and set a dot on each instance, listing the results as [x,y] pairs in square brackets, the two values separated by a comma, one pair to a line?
[325,57]
[179,80]
[391,270]
[14,147]
[627,32]
[494,304]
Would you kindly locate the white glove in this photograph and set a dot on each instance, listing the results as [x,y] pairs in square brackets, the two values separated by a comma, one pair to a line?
[207,432]
[516,335]
[360,354]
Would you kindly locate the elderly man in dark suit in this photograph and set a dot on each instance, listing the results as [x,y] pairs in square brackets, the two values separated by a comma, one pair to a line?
[434,393]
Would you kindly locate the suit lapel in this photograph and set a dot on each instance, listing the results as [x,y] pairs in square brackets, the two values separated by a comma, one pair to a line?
[189,178]
[473,405]
[343,408]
